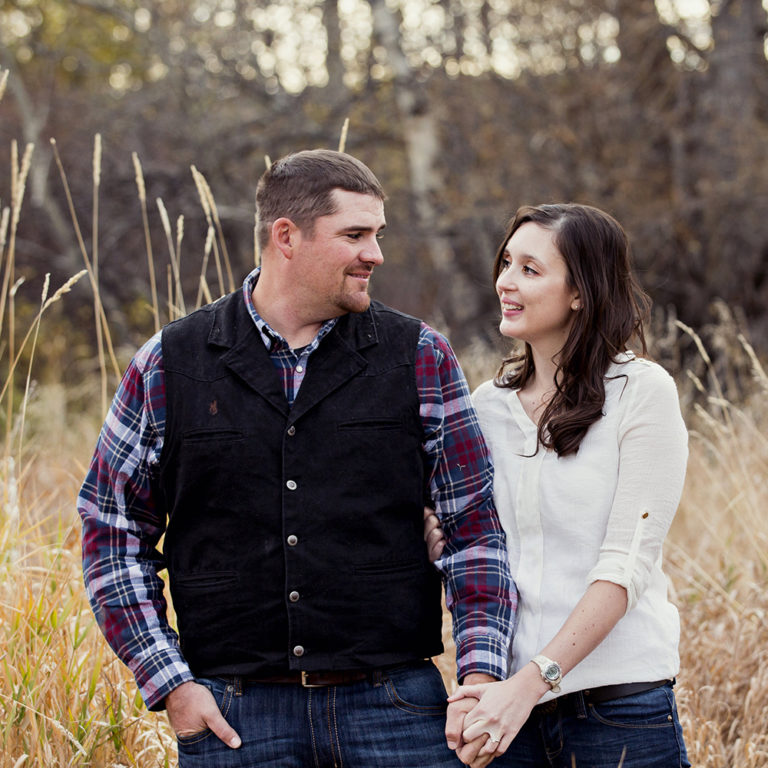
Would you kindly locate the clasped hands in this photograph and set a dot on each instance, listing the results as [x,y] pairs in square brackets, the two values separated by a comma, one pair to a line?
[468,732]
[484,717]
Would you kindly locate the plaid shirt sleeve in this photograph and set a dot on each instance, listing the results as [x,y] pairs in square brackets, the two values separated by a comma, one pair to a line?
[479,589]
[121,530]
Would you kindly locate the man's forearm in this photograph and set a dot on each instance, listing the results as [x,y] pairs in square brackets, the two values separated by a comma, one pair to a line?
[483,600]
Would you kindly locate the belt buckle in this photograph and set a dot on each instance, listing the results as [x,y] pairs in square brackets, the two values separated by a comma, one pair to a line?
[305,681]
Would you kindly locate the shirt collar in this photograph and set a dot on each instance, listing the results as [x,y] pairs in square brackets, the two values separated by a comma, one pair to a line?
[271,338]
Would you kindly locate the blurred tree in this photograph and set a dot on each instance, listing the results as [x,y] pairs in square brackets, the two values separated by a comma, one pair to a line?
[722,180]
[465,109]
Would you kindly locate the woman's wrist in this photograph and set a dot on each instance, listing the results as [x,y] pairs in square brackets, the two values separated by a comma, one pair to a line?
[529,677]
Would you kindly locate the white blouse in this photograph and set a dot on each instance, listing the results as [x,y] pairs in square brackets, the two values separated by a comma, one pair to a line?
[601,514]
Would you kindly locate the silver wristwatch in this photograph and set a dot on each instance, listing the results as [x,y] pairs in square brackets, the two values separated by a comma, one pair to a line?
[550,671]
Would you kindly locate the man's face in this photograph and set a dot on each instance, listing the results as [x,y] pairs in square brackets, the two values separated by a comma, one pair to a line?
[333,265]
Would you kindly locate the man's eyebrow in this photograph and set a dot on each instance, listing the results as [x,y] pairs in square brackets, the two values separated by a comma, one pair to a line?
[362,228]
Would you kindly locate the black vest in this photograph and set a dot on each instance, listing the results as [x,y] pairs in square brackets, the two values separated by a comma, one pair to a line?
[294,535]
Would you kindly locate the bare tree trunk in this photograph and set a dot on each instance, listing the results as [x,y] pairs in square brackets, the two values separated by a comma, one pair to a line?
[738,58]
[736,66]
[419,126]
[424,154]
[333,61]
[731,159]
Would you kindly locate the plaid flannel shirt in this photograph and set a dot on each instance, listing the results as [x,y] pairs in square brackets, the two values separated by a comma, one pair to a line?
[122,525]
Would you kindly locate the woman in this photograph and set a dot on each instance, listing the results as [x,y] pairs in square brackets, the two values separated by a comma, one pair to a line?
[589,449]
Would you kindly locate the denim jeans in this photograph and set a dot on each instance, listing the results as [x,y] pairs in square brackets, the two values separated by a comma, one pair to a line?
[643,730]
[397,721]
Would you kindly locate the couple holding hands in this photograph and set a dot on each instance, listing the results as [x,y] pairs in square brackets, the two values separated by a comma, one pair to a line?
[282,443]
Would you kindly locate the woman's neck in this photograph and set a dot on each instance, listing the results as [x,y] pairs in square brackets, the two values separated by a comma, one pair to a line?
[537,392]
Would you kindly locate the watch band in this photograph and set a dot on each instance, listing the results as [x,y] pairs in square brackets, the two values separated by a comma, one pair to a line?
[550,671]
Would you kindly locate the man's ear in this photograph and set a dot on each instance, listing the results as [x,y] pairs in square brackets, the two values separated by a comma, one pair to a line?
[284,235]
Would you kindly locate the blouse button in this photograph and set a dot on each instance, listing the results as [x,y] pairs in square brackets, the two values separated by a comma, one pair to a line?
[291,430]
[292,540]
[298,650]
[291,485]
[294,597]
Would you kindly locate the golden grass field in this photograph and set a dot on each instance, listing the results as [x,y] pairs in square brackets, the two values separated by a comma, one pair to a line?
[66,701]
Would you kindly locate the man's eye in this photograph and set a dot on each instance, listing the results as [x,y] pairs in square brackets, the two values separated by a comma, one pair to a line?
[354,235]
[379,235]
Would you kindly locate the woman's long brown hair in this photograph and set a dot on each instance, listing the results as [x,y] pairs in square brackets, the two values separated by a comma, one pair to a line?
[613,310]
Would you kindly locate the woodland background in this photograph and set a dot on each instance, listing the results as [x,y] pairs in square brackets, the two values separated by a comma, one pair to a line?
[465,109]
[163,114]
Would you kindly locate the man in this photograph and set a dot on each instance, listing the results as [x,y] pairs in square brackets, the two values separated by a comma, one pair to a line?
[285,439]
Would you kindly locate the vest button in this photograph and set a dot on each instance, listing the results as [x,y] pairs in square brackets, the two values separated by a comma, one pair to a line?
[291,430]
[298,650]
[292,540]
[294,596]
[291,485]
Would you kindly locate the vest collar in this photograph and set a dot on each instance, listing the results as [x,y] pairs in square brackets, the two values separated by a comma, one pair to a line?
[232,324]
[337,359]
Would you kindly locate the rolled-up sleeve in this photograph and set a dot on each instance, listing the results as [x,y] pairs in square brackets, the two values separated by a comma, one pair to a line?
[653,452]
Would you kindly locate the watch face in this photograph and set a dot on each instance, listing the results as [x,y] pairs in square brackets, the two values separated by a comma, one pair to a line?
[552,672]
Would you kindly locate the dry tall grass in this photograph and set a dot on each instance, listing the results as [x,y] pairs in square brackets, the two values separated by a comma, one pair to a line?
[717,552]
[718,561]
[66,701]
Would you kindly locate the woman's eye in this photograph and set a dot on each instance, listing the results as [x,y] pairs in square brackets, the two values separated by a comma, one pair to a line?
[529,270]
[505,264]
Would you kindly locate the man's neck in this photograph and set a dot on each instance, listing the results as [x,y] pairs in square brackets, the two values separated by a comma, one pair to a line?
[281,317]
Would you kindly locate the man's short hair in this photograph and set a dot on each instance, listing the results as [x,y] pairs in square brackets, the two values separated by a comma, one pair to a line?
[299,187]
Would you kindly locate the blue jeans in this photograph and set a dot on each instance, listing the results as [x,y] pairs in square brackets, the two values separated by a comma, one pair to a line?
[397,721]
[643,730]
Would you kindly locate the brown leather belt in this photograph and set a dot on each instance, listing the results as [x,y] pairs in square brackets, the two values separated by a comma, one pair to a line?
[315,679]
[597,695]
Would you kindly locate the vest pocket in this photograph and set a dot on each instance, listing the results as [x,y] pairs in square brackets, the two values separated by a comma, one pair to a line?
[395,606]
[206,580]
[208,611]
[383,423]
[204,435]
[205,596]
[374,569]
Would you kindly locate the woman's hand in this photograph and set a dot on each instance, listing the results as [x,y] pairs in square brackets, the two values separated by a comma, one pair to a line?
[504,707]
[433,534]
[501,711]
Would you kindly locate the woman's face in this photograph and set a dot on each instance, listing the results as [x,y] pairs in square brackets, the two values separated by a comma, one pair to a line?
[537,301]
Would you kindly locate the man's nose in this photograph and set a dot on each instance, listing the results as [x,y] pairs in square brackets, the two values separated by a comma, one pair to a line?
[372,253]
